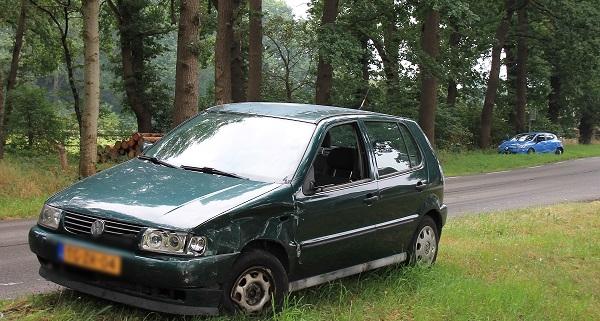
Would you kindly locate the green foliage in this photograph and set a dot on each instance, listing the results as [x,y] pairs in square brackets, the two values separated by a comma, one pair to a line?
[35,123]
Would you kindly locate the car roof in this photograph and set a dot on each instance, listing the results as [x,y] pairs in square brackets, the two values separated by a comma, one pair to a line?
[300,112]
[536,133]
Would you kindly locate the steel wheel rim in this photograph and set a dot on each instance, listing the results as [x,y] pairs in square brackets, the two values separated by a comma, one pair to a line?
[253,289]
[425,246]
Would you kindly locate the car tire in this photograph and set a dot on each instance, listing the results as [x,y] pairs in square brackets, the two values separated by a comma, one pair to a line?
[559,151]
[424,244]
[258,282]
[531,151]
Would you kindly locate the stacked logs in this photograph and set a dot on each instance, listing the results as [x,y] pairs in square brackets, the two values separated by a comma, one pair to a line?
[126,149]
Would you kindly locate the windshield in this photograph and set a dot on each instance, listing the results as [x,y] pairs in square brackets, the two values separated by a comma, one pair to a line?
[255,147]
[523,137]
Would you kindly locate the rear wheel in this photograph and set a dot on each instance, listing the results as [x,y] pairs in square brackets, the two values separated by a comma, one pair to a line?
[424,246]
[258,282]
[559,151]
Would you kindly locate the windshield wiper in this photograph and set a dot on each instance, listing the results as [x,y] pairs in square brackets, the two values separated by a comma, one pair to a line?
[210,170]
[156,161]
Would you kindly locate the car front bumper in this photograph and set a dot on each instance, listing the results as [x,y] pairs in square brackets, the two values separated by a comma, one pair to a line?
[178,285]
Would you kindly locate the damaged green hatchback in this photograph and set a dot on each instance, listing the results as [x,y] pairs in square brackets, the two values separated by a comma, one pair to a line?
[244,203]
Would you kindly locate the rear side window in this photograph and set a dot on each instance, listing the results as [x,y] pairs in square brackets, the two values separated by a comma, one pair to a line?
[391,153]
[411,146]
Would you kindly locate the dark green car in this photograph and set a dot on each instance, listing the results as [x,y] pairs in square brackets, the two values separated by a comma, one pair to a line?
[244,203]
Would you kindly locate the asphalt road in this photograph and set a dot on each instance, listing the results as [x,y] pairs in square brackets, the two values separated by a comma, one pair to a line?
[577,180]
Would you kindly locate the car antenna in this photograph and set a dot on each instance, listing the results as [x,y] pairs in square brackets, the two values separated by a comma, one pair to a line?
[362,104]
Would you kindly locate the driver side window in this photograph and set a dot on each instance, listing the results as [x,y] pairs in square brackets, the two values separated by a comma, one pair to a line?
[341,158]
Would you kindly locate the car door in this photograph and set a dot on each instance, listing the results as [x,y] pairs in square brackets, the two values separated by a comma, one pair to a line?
[540,143]
[334,211]
[402,180]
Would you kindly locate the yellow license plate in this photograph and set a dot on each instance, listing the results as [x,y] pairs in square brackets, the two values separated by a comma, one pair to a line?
[92,260]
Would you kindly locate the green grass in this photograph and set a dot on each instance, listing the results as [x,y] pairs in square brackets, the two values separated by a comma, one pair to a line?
[533,264]
[476,162]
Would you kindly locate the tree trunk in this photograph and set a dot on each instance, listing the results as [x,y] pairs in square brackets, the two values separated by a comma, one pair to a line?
[492,86]
[511,79]
[223,94]
[431,46]
[522,54]
[324,68]
[363,90]
[132,63]
[91,79]
[452,92]
[238,83]
[186,74]
[554,99]
[6,108]
[255,51]
[586,128]
[387,51]
[71,77]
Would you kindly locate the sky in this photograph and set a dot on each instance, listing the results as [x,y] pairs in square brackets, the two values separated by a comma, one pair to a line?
[299,7]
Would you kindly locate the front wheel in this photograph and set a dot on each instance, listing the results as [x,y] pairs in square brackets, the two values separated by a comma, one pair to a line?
[531,151]
[559,151]
[424,246]
[258,282]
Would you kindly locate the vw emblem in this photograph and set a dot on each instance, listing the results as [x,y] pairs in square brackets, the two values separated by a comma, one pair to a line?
[97,228]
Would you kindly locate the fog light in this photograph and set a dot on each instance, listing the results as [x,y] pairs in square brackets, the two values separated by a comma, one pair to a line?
[197,244]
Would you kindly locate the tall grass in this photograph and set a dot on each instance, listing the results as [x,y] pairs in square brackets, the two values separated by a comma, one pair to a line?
[534,264]
[25,183]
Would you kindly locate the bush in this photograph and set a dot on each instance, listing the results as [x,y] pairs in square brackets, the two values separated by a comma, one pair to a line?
[35,123]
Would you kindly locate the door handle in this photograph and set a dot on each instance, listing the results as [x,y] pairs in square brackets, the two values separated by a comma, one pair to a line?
[421,185]
[371,198]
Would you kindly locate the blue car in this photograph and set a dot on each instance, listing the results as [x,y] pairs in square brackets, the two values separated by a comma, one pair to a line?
[529,143]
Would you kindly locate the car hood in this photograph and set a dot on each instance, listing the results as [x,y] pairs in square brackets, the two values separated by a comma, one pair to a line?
[154,195]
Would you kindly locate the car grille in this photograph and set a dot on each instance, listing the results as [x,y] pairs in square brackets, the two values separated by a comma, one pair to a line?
[81,224]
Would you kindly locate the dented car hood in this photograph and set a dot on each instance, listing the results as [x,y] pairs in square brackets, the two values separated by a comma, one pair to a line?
[153,195]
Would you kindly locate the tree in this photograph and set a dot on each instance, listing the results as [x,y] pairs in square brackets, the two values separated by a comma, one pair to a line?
[453,41]
[494,76]
[521,61]
[60,14]
[324,68]
[238,68]
[6,107]
[186,78]
[127,14]
[288,59]
[91,76]
[429,83]
[223,93]
[255,51]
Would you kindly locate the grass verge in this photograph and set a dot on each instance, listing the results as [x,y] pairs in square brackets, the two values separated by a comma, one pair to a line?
[533,264]
[477,162]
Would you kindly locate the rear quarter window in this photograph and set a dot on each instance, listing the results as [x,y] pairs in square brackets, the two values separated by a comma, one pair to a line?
[389,147]
[411,145]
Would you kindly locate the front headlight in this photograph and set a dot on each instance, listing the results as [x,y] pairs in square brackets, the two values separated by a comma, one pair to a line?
[167,242]
[50,217]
